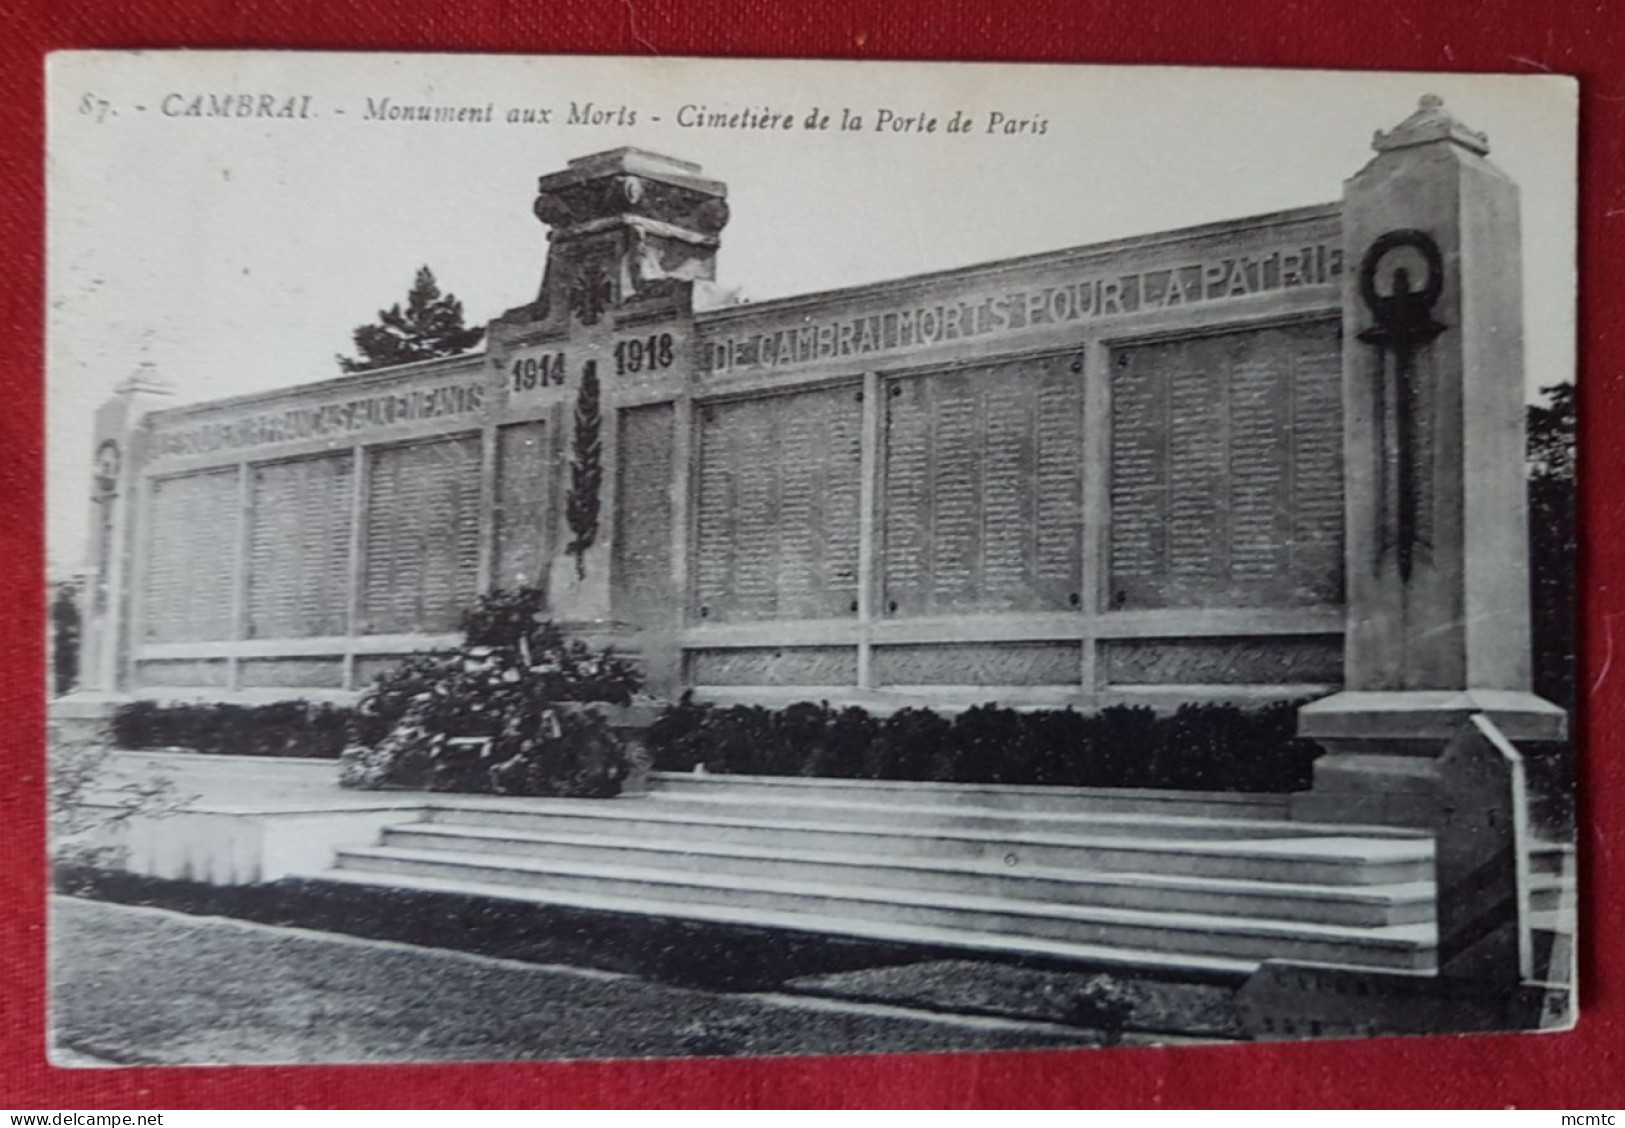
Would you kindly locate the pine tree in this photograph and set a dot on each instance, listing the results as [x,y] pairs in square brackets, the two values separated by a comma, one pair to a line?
[430,326]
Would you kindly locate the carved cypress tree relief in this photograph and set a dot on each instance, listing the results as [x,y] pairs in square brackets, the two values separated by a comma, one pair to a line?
[586,470]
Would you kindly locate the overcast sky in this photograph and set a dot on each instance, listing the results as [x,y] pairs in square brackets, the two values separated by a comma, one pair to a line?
[238,255]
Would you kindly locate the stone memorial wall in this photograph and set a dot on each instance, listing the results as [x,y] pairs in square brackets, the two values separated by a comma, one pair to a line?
[1105,474]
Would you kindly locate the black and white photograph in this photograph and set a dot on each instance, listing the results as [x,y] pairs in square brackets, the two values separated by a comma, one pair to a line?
[599,558]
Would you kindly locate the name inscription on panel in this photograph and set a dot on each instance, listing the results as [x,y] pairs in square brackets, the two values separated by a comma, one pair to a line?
[312,421]
[983,490]
[1226,471]
[778,508]
[1021,310]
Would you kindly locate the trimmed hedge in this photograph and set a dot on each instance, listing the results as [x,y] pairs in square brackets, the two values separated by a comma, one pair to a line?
[284,728]
[1199,747]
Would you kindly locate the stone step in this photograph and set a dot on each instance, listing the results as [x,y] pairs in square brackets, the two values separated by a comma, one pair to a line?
[1553,937]
[146,763]
[906,810]
[1551,892]
[1399,903]
[1027,798]
[968,941]
[1315,860]
[1407,946]
[1552,858]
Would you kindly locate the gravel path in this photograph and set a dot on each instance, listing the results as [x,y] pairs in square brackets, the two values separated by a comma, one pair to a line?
[149,986]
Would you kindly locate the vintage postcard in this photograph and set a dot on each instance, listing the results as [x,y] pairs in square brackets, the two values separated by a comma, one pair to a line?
[604,558]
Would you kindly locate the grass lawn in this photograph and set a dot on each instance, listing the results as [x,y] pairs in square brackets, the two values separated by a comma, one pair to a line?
[145,986]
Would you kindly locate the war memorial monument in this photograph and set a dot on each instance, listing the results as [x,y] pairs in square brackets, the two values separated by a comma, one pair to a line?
[1274,459]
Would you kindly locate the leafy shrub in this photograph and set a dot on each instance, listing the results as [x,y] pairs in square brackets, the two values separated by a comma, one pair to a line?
[1199,747]
[907,743]
[284,728]
[85,808]
[506,713]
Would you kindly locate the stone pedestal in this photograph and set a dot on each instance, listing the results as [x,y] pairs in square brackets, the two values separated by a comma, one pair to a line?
[105,613]
[632,240]
[1437,529]
[1472,798]
[1437,653]
[1381,766]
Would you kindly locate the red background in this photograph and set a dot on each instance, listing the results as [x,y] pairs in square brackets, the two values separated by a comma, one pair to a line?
[1579,1070]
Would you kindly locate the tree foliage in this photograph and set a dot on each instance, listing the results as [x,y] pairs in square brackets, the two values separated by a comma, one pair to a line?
[430,326]
[1552,542]
[88,803]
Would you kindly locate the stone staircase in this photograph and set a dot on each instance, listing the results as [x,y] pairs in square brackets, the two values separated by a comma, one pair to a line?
[1185,882]
[1553,903]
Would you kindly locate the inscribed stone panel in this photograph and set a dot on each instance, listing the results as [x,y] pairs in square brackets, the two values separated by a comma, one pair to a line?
[299,547]
[191,566]
[641,570]
[524,512]
[769,665]
[422,536]
[1037,663]
[1226,471]
[983,490]
[777,527]
[318,673]
[210,674]
[1275,660]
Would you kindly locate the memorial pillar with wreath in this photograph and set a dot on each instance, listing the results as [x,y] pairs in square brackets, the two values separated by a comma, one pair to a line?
[1437,657]
[632,244]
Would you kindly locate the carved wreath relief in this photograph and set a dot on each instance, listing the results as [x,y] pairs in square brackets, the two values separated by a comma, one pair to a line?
[1401,305]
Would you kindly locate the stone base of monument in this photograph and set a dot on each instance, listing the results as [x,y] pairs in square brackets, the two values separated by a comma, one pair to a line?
[1382,761]
[1183,883]
[82,717]
[1443,763]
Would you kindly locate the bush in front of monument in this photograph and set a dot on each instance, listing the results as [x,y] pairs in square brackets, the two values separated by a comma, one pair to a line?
[510,712]
[1203,747]
[280,728]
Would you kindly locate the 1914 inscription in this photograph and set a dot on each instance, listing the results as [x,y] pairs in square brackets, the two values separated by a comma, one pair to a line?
[1226,471]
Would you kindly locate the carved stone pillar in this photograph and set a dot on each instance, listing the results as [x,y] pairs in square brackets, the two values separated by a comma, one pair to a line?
[632,245]
[1437,647]
[115,481]
[626,227]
